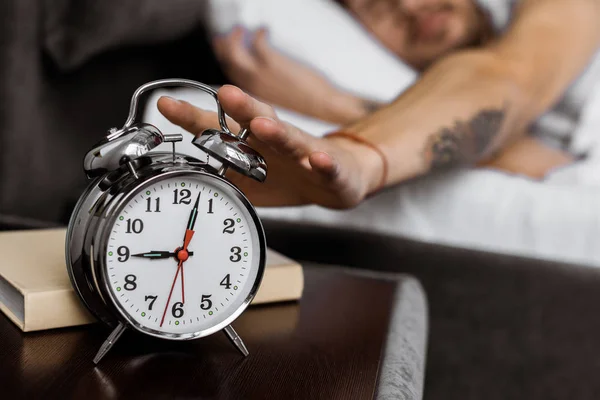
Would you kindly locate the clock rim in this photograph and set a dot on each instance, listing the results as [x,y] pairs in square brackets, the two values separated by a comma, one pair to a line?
[99,268]
[86,262]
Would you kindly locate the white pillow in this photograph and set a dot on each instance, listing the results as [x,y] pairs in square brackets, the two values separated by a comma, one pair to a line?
[318,33]
[321,34]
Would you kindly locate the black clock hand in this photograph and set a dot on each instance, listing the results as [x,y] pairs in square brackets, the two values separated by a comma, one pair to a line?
[155,255]
[193,214]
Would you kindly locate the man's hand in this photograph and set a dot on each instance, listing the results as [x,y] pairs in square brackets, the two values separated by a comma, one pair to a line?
[251,63]
[335,173]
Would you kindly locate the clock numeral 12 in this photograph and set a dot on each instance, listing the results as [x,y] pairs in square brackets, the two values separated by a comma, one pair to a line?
[149,205]
[181,196]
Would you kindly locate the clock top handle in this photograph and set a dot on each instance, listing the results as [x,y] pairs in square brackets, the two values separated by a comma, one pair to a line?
[136,138]
[174,82]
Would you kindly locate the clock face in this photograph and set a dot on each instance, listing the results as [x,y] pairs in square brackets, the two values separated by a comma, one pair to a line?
[183,255]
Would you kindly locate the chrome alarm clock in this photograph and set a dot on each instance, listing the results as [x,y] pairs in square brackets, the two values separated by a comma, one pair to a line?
[163,243]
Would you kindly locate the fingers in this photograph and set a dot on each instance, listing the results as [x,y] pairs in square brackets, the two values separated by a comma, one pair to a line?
[262,47]
[283,138]
[242,107]
[324,164]
[191,118]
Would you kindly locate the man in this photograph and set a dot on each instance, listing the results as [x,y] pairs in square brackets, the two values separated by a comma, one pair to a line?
[477,96]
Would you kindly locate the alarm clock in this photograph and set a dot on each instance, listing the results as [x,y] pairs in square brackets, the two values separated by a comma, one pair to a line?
[162,243]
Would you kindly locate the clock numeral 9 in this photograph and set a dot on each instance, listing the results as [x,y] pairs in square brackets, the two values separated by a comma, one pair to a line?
[135,226]
[181,196]
[130,283]
[206,304]
[228,226]
[123,253]
[237,254]
[226,282]
[152,300]
[149,204]
[177,310]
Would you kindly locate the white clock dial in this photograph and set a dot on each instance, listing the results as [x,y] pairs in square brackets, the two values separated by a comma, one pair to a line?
[166,290]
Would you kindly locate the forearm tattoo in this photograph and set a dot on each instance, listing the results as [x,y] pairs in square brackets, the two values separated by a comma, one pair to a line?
[465,142]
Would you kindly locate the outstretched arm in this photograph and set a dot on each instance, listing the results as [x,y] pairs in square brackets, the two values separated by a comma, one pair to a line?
[475,102]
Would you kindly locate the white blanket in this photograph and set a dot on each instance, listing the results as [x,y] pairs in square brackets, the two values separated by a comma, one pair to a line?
[556,219]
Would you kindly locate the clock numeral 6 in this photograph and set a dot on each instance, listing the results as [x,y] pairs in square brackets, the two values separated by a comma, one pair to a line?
[229,226]
[237,254]
[135,226]
[177,310]
[206,304]
[130,283]
[123,252]
[226,282]
[181,196]
[152,300]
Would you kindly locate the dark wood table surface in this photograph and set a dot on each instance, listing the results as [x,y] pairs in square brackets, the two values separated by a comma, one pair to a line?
[327,346]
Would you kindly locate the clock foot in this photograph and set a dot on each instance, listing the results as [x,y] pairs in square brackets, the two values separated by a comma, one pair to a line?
[109,342]
[236,340]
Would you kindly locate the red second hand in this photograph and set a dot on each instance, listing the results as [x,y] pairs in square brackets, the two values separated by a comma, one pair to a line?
[179,267]
[182,287]
[182,255]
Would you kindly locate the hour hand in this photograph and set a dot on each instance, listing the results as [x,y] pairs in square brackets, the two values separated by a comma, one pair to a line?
[155,255]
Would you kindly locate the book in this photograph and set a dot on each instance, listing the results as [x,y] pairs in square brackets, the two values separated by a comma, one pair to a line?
[36,293]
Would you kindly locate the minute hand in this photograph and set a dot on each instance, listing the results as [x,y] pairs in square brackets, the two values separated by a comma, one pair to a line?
[193,214]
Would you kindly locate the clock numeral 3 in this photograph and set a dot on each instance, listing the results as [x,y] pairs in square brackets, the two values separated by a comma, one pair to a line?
[135,226]
[181,196]
[226,282]
[152,300]
[206,304]
[237,254]
[177,310]
[228,226]
[149,204]
[123,253]
[130,283]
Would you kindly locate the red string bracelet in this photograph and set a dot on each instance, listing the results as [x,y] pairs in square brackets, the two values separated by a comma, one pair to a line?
[363,141]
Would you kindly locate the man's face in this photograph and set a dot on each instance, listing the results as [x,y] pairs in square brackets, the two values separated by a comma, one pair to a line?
[420,31]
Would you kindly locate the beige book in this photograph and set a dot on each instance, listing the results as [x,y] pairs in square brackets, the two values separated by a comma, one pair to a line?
[36,293]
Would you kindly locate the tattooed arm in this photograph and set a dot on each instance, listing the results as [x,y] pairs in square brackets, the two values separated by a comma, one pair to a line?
[473,103]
